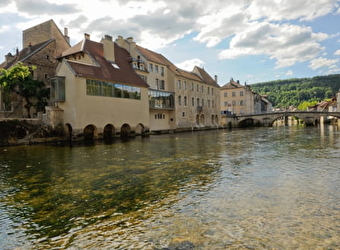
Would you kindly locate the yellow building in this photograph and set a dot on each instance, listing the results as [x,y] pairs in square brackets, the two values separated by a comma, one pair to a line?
[237,99]
[98,92]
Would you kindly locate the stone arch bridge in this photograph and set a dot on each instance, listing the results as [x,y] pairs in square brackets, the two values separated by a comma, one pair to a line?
[267,119]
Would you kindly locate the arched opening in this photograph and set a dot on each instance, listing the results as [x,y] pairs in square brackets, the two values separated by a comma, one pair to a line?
[68,131]
[197,120]
[109,131]
[216,120]
[90,132]
[202,122]
[140,129]
[249,123]
[125,130]
[212,119]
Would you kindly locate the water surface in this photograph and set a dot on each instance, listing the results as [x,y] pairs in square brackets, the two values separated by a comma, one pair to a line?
[263,188]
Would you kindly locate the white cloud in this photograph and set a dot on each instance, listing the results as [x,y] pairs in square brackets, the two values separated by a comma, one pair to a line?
[289,73]
[337,53]
[285,43]
[190,64]
[289,10]
[323,62]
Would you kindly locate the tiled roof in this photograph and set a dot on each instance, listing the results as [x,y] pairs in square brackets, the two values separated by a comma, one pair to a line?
[105,71]
[206,77]
[25,54]
[160,59]
[232,85]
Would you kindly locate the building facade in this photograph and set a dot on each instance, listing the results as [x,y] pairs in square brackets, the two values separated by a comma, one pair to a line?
[98,92]
[178,99]
[237,99]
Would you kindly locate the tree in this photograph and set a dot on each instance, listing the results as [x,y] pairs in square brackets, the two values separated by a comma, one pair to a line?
[19,80]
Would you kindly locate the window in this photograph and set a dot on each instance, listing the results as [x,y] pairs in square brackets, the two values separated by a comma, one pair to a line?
[179,100]
[198,101]
[193,101]
[185,85]
[241,93]
[225,104]
[192,86]
[212,104]
[157,86]
[202,102]
[161,99]
[225,94]
[234,94]
[162,71]
[198,88]
[185,101]
[212,91]
[183,114]
[202,88]
[162,86]
[208,90]
[241,103]
[179,84]
[109,89]
[209,103]
[150,67]
[156,68]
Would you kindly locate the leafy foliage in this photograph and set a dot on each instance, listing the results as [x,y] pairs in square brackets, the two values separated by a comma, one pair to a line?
[295,92]
[19,80]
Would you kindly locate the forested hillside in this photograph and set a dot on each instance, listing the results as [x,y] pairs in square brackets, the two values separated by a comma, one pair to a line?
[294,92]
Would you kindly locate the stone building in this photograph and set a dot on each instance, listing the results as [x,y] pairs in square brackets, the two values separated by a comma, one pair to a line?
[237,99]
[42,44]
[178,99]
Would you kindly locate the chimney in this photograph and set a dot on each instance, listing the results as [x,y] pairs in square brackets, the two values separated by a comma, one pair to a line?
[86,36]
[109,48]
[216,78]
[8,57]
[66,35]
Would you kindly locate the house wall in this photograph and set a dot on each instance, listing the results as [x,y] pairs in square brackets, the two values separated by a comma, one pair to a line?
[233,103]
[44,32]
[81,109]
[187,113]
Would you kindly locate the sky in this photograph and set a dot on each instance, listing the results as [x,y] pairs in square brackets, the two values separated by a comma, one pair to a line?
[248,40]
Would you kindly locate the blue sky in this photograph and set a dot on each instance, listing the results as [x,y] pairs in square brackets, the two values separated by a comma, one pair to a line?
[248,40]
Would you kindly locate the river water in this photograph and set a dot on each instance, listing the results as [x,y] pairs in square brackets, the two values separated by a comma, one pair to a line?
[262,188]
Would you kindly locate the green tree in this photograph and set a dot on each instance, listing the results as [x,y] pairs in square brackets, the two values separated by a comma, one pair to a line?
[19,80]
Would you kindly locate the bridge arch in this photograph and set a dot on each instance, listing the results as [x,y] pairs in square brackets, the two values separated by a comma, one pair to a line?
[267,119]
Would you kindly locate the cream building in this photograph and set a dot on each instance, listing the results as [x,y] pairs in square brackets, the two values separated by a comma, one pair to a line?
[237,99]
[98,92]
[178,99]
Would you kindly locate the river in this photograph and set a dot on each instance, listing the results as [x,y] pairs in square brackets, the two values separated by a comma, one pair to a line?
[261,188]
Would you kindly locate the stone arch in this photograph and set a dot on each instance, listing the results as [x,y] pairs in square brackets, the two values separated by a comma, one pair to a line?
[68,131]
[202,119]
[197,119]
[109,131]
[249,122]
[90,132]
[140,129]
[125,130]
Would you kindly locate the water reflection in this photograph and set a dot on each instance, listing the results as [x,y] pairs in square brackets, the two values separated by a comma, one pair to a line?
[264,188]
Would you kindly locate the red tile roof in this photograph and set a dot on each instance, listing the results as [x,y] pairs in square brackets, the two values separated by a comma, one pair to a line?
[105,70]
